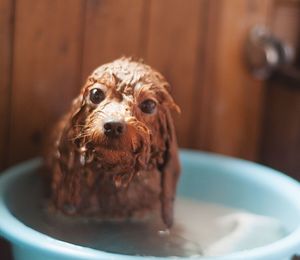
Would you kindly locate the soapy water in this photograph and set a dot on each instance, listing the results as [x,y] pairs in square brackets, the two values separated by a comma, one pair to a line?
[200,228]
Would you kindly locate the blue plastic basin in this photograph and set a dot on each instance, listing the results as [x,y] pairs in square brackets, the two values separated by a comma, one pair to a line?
[208,177]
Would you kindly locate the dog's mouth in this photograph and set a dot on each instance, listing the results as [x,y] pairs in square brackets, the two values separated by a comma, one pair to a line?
[122,157]
[121,153]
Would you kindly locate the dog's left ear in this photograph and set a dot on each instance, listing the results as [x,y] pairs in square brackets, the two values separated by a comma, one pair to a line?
[170,168]
[167,100]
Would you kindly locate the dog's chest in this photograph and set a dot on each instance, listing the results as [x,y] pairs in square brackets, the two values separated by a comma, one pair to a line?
[90,191]
[140,194]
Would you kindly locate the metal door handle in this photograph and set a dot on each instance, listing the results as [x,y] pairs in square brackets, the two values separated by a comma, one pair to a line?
[267,56]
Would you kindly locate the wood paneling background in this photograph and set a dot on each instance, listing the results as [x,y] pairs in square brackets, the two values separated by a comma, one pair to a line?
[6,40]
[51,46]
[112,29]
[175,37]
[280,145]
[6,43]
[46,69]
[229,118]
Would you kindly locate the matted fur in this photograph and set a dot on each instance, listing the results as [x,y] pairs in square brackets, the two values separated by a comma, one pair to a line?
[92,175]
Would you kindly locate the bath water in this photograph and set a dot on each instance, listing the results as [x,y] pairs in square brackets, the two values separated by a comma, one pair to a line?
[200,228]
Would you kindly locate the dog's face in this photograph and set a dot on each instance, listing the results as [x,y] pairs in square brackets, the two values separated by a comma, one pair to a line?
[123,115]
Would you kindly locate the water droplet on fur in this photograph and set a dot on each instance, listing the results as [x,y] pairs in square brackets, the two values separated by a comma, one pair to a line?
[165,232]
[57,154]
[90,158]
[118,181]
[82,159]
[83,149]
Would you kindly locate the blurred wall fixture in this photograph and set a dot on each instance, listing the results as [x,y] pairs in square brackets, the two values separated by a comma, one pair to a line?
[266,55]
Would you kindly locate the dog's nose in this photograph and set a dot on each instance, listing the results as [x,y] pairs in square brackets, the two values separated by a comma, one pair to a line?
[114,129]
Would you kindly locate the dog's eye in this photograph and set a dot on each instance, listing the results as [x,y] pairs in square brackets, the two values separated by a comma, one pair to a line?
[96,95]
[148,106]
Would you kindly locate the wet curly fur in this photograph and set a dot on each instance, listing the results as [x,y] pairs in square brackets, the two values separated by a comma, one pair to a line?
[116,178]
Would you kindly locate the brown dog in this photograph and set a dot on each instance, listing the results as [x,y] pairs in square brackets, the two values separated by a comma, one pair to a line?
[115,152]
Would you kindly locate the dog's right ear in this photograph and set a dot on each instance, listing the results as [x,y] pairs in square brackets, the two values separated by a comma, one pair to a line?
[77,107]
[79,104]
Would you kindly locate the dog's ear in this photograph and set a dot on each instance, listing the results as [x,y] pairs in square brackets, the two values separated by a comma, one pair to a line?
[163,93]
[170,168]
[78,106]
[56,149]
[70,126]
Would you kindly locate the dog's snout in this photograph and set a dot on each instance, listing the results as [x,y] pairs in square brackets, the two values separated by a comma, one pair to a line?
[114,129]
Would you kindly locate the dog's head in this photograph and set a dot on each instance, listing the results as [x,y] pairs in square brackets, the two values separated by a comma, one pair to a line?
[123,115]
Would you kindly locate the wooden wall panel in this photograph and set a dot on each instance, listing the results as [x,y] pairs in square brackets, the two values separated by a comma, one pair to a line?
[175,38]
[281,138]
[198,45]
[113,28]
[230,119]
[286,14]
[46,69]
[6,40]
[280,146]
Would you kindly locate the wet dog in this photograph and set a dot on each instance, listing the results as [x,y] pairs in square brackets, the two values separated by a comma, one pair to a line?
[114,155]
